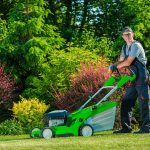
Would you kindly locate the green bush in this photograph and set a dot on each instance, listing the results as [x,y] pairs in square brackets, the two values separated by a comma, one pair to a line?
[11,127]
[56,73]
[29,112]
[87,40]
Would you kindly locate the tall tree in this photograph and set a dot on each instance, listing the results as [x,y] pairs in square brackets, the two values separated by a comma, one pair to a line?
[29,39]
[84,16]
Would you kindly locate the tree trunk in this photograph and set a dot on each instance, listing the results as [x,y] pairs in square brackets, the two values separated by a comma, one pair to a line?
[84,15]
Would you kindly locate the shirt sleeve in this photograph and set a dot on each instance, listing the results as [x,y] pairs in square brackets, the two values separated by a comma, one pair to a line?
[122,53]
[135,50]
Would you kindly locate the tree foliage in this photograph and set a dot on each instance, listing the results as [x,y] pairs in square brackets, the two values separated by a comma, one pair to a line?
[43,42]
[27,46]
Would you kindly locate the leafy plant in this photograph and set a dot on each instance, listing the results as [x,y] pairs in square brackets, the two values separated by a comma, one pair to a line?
[3,29]
[11,127]
[56,73]
[7,85]
[29,112]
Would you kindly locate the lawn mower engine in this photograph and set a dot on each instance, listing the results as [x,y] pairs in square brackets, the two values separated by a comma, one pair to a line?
[55,118]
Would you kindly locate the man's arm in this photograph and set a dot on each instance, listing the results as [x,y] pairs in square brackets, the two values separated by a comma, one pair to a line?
[126,62]
[121,59]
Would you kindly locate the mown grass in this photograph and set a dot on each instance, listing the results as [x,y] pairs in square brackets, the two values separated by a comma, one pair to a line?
[100,141]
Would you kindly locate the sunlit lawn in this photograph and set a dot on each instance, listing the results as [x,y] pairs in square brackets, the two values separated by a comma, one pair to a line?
[100,141]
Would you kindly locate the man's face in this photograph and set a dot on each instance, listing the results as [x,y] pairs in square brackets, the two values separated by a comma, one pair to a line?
[127,36]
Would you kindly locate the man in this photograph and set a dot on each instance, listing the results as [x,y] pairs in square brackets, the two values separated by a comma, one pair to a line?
[133,55]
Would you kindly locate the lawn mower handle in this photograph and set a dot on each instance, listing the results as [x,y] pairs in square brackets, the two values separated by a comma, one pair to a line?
[108,84]
[128,67]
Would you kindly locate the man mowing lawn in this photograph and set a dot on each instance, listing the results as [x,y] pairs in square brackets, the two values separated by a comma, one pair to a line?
[133,55]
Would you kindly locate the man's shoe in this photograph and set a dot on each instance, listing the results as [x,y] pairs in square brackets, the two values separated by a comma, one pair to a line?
[122,131]
[141,132]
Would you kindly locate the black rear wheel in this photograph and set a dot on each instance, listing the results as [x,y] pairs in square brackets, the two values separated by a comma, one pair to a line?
[86,130]
[47,133]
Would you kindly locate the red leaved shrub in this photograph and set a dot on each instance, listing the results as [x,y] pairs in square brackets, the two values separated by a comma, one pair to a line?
[84,83]
[8,88]
[8,92]
[6,85]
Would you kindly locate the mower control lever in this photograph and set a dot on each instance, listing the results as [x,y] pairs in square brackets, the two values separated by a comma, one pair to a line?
[94,107]
[132,72]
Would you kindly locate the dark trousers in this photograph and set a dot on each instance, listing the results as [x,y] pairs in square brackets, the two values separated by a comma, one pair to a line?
[132,94]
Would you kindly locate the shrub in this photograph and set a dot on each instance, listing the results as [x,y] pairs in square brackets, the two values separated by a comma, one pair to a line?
[8,92]
[11,127]
[29,112]
[56,72]
[86,82]
[7,85]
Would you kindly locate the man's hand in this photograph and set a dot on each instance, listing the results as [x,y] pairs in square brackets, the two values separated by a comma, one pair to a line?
[112,68]
[126,62]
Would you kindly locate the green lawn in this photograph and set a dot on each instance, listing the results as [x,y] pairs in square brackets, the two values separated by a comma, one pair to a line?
[101,141]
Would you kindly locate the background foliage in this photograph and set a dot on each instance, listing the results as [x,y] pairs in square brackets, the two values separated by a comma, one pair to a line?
[11,127]
[43,42]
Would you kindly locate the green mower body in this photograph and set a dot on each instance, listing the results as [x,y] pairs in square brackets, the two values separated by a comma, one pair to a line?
[79,118]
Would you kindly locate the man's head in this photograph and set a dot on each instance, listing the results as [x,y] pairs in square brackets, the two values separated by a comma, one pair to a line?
[127,29]
[127,34]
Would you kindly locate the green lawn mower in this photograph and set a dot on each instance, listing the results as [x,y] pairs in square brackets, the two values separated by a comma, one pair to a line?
[86,120]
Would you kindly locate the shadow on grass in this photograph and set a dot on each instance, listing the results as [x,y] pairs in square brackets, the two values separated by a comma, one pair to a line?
[110,133]
[15,137]
[27,137]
